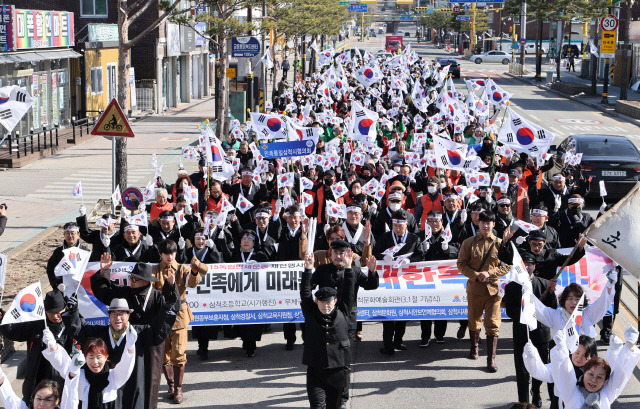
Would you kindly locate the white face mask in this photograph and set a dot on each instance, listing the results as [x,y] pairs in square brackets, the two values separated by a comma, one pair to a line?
[489,198]
[396,168]
[432,189]
[106,241]
[443,185]
[394,207]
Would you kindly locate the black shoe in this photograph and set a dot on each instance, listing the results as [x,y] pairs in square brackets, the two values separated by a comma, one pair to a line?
[400,347]
[604,338]
[439,340]
[386,351]
[289,346]
[251,353]
[462,330]
[536,400]
[203,354]
[424,343]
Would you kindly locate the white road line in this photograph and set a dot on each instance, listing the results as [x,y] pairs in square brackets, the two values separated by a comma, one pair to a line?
[555,131]
[535,118]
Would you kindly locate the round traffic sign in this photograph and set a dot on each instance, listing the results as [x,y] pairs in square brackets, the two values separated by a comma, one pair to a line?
[132,197]
[456,9]
[523,41]
[609,23]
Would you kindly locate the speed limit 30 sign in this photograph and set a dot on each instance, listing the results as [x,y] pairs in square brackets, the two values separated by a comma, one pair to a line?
[609,23]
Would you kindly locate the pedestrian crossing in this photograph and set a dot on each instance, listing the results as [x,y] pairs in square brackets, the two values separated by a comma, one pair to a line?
[96,184]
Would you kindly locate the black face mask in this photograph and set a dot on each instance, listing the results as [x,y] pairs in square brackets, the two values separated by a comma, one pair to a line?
[367,177]
[402,178]
[328,182]
[576,210]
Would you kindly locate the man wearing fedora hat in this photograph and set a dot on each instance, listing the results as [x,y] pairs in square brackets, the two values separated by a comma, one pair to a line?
[175,357]
[39,368]
[146,303]
[138,392]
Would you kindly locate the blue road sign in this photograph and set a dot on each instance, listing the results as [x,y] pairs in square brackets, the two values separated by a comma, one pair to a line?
[358,8]
[463,18]
[406,17]
[523,41]
[286,149]
[245,47]
[515,46]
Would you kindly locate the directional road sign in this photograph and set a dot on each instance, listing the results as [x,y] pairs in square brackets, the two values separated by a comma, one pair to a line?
[360,8]
[463,18]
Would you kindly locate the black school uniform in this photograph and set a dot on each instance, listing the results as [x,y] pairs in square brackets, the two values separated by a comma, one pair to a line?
[94,237]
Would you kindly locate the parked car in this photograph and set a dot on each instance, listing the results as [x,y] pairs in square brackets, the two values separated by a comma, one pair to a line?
[614,159]
[574,49]
[455,67]
[383,55]
[492,56]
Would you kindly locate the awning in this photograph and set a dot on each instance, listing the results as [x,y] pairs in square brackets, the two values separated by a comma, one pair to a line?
[6,58]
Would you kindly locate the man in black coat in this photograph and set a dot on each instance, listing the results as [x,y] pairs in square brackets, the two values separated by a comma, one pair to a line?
[354,230]
[146,303]
[539,218]
[71,239]
[383,218]
[267,231]
[103,240]
[547,260]
[385,249]
[332,275]
[571,222]
[165,229]
[132,248]
[38,368]
[251,191]
[136,392]
[436,247]
[540,337]
[327,350]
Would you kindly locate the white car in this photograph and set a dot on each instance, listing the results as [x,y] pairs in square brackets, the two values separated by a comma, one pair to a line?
[492,56]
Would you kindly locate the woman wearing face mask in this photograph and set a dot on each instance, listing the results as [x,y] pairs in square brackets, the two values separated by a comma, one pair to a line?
[97,381]
[600,385]
[355,188]
[432,200]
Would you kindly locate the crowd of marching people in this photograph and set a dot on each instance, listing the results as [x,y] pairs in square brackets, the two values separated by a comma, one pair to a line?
[403,169]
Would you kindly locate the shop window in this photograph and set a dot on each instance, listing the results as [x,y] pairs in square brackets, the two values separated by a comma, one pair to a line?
[96,80]
[93,8]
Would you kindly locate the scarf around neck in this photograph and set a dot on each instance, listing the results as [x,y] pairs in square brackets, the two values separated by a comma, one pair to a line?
[97,383]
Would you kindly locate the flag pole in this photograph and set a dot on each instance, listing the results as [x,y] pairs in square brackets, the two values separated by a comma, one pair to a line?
[45,315]
[566,262]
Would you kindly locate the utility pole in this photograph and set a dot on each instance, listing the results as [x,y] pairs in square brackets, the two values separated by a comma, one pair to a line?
[624,32]
[523,30]
[473,27]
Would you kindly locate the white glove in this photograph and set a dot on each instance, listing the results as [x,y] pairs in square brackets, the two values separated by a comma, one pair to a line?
[188,209]
[149,240]
[425,246]
[2,375]
[132,337]
[520,240]
[209,243]
[82,210]
[62,287]
[181,243]
[77,361]
[124,212]
[612,277]
[106,241]
[388,258]
[603,207]
[405,261]
[374,207]
[463,216]
[529,350]
[48,338]
[631,335]
[445,246]
[142,208]
[278,207]
[560,338]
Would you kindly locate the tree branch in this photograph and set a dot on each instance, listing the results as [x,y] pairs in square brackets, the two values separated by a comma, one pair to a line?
[151,27]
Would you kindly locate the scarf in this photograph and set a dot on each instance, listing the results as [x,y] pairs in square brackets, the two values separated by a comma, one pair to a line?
[97,383]
[117,334]
[591,399]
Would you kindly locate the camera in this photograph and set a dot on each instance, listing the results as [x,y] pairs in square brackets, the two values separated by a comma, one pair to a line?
[3,206]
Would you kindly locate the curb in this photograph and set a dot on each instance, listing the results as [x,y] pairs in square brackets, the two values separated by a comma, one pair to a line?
[609,111]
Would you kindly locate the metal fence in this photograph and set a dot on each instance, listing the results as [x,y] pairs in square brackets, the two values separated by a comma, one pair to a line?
[146,95]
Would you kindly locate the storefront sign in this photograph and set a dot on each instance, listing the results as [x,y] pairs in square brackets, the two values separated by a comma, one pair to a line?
[42,29]
[35,94]
[55,111]
[187,39]
[173,40]
[103,32]
[44,99]
[6,32]
[245,47]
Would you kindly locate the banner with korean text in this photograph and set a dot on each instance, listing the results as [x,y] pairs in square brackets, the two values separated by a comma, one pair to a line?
[237,293]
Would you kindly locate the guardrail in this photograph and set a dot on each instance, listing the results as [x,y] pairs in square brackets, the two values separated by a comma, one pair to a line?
[23,145]
[83,126]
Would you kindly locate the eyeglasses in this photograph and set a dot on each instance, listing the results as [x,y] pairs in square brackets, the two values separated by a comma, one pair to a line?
[504,205]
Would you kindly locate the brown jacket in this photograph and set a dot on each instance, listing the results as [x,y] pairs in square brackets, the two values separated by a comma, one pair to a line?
[184,278]
[471,254]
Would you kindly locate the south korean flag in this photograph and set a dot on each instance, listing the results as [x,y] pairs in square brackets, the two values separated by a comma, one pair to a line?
[269,126]
[14,103]
[26,306]
[363,124]
[497,96]
[523,136]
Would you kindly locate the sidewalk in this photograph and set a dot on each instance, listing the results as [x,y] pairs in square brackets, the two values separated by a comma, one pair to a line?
[39,194]
[593,101]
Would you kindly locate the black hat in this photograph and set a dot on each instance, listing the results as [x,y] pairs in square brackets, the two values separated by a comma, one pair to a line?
[54,301]
[202,162]
[513,172]
[326,293]
[144,271]
[528,258]
[339,244]
[537,235]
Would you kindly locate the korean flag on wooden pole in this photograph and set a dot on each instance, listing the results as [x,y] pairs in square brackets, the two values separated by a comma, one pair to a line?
[573,326]
[523,136]
[73,263]
[116,197]
[27,306]
[77,191]
[243,204]
[363,124]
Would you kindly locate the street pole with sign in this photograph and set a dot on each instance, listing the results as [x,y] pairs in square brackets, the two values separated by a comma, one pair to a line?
[523,30]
